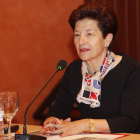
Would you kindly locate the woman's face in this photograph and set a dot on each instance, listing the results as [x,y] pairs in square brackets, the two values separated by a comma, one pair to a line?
[88,40]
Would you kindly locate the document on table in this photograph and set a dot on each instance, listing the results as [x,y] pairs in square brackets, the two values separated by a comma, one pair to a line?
[84,136]
[87,137]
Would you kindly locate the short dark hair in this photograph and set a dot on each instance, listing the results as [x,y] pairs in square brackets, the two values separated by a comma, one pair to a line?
[106,18]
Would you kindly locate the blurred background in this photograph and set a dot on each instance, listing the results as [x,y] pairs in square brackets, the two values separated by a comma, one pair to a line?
[35,35]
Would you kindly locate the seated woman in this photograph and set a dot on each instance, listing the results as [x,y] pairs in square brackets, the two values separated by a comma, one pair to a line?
[104,85]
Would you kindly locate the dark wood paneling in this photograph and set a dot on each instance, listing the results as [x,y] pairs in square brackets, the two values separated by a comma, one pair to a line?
[127,39]
[138,29]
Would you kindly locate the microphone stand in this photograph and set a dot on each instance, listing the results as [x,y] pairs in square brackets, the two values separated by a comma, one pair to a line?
[24,127]
[24,136]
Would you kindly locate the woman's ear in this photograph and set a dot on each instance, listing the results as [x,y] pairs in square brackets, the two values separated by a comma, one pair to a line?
[108,39]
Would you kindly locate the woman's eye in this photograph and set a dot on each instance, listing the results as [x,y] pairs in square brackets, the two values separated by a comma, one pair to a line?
[89,34]
[77,34]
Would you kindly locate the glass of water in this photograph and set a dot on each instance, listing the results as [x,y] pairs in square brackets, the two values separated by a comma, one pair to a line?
[11,105]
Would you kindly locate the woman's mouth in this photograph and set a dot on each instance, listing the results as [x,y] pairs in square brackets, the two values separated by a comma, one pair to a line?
[84,50]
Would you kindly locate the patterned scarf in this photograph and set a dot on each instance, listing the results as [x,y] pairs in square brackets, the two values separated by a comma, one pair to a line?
[90,92]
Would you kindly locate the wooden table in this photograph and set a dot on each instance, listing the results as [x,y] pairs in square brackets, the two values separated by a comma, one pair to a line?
[35,128]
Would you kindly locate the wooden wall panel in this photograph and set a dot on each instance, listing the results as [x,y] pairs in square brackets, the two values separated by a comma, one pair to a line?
[127,39]
[138,29]
[132,27]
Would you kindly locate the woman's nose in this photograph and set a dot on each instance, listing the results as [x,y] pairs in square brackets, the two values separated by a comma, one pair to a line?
[82,40]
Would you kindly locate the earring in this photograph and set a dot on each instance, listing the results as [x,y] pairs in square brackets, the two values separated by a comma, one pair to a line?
[106,45]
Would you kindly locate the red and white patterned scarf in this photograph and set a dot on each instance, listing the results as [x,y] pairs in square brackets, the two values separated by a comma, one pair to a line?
[90,92]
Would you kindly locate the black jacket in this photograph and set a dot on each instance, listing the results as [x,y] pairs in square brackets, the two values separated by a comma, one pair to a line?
[120,96]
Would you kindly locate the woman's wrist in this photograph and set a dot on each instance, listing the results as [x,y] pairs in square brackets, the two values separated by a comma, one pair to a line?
[84,125]
[89,125]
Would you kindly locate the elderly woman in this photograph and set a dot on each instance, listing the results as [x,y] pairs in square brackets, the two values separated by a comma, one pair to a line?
[104,85]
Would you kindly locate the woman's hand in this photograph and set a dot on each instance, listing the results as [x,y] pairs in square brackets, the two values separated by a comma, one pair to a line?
[47,121]
[51,122]
[69,128]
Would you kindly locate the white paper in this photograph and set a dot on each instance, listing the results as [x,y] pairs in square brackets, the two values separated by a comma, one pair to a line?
[74,137]
[83,135]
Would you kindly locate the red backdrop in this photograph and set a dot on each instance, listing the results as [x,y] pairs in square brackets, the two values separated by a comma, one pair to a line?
[34,36]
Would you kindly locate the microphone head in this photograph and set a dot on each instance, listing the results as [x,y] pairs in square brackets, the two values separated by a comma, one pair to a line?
[61,64]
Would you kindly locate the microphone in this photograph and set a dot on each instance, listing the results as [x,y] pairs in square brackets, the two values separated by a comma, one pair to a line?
[60,66]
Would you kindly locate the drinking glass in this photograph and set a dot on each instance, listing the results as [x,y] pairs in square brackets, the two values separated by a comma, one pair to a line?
[11,104]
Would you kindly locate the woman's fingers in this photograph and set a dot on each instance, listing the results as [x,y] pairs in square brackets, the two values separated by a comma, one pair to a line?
[67,120]
[49,125]
[69,132]
[52,128]
[54,125]
[58,131]
[48,120]
[42,131]
[49,128]
[56,121]
[47,131]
